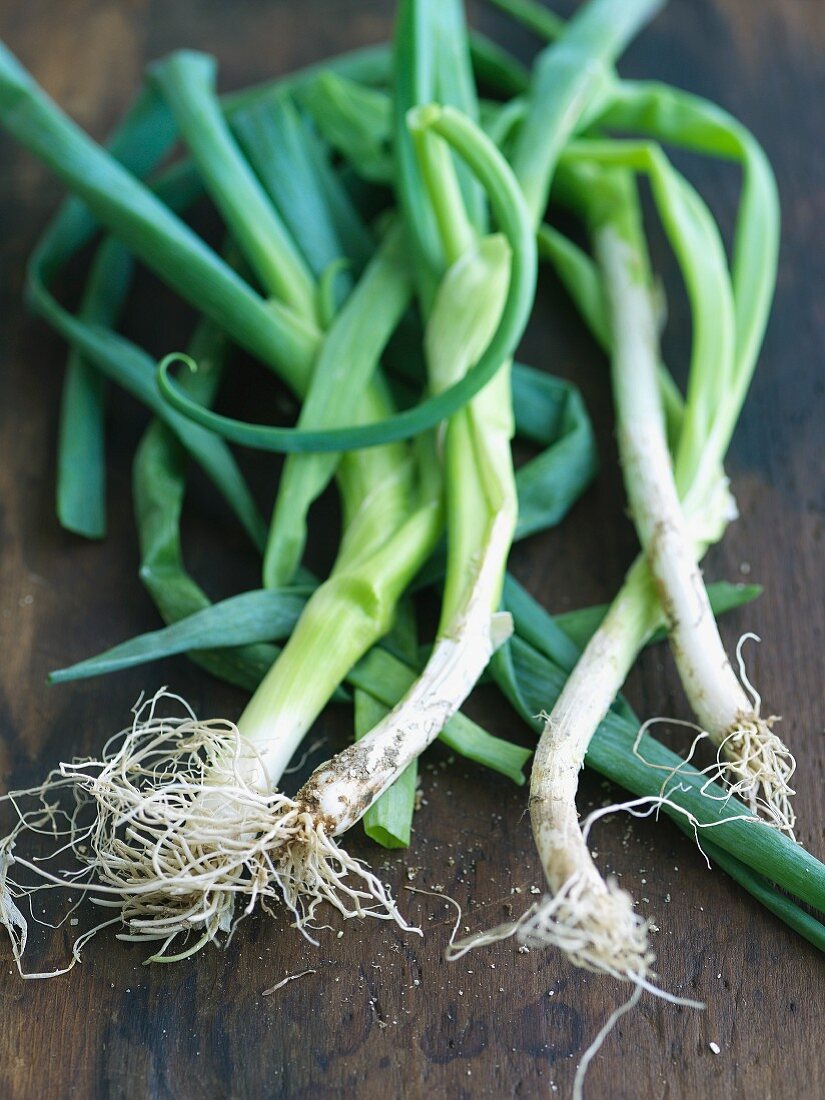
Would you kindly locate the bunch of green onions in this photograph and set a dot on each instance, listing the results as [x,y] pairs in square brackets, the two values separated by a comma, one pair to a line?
[384,226]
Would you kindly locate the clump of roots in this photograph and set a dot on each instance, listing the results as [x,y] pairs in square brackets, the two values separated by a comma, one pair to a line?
[594,923]
[750,763]
[758,769]
[758,766]
[174,828]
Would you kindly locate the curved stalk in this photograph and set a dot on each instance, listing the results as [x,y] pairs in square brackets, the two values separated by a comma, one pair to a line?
[761,764]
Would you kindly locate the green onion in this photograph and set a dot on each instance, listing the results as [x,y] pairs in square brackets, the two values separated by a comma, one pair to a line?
[461,309]
[149,228]
[608,934]
[565,79]
[139,145]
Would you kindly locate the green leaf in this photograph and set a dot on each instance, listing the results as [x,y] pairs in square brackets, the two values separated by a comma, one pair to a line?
[346,365]
[389,820]
[187,82]
[686,120]
[251,617]
[565,78]
[724,597]
[128,366]
[81,463]
[292,166]
[150,229]
[550,411]
[159,484]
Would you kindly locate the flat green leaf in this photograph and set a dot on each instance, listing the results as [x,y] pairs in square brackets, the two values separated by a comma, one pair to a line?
[251,617]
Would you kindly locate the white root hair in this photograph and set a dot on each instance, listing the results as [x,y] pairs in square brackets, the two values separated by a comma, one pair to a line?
[751,762]
[172,827]
[596,927]
[759,762]
[599,1041]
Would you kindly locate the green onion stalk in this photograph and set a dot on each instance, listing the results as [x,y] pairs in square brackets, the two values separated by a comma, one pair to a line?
[758,766]
[681,504]
[473,287]
[475,316]
[232,823]
[568,79]
[486,291]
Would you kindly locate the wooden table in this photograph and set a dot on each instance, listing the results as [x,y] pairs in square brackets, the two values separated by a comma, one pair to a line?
[383,1015]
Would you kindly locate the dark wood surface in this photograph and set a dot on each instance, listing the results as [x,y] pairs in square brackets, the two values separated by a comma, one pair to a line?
[384,1015]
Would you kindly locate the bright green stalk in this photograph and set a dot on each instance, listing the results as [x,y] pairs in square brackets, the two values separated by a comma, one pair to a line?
[187,82]
[481,491]
[382,547]
[345,617]
[340,392]
[375,483]
[455,230]
[565,78]
[672,115]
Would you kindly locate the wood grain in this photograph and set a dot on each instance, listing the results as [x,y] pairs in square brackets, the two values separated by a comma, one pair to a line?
[383,1015]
